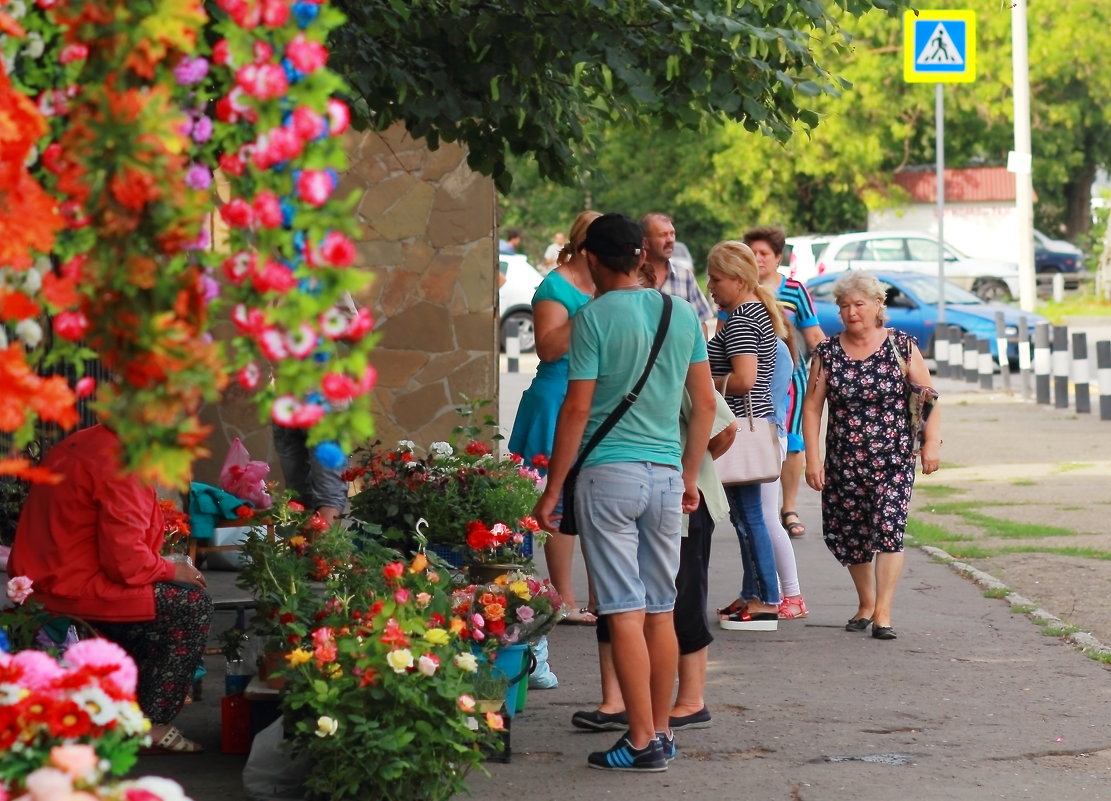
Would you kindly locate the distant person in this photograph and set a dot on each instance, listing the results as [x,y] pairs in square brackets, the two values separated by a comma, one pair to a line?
[92,546]
[671,278]
[634,487]
[511,245]
[551,253]
[868,473]
[767,244]
[560,296]
[321,489]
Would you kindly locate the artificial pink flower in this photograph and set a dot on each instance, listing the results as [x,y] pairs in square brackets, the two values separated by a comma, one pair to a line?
[337,250]
[262,51]
[272,344]
[237,213]
[307,415]
[359,326]
[339,115]
[428,664]
[79,761]
[239,266]
[315,187]
[221,53]
[333,323]
[264,81]
[369,379]
[275,13]
[306,55]
[338,388]
[248,320]
[105,654]
[268,209]
[73,52]
[401,595]
[71,325]
[40,670]
[307,124]
[274,277]
[525,613]
[48,783]
[466,703]
[19,589]
[85,386]
[249,376]
[301,342]
[283,409]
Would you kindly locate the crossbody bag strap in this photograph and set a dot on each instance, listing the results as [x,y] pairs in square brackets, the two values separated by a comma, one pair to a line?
[629,399]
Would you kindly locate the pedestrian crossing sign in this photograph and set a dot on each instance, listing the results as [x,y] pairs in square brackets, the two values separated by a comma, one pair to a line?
[939,46]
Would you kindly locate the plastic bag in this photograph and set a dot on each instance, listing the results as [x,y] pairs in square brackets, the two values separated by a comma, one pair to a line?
[272,772]
[245,478]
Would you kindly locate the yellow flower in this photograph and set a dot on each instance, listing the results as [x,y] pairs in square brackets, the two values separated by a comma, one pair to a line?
[437,636]
[297,542]
[334,671]
[502,580]
[298,657]
[326,726]
[400,659]
[520,589]
[495,721]
[466,661]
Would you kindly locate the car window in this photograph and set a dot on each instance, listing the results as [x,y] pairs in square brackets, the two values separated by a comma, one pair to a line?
[823,291]
[922,250]
[883,250]
[850,252]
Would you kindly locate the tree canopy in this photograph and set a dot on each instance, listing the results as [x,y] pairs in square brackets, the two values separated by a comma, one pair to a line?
[534,78]
[721,180]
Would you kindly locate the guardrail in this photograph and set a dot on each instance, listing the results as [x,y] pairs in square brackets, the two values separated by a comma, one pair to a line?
[1051,364]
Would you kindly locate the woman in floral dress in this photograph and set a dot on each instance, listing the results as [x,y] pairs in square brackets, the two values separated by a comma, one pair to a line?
[868,472]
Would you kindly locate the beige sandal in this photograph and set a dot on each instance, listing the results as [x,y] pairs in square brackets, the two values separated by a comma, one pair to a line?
[172,743]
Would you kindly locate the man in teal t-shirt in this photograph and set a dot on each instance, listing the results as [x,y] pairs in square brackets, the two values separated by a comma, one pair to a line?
[636,484]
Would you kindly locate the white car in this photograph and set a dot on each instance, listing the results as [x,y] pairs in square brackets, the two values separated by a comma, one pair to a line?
[800,257]
[914,251]
[515,299]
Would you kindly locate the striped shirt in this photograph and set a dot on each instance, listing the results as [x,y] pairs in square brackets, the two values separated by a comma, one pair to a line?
[748,332]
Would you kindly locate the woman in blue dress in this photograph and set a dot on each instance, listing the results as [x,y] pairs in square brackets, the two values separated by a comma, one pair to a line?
[564,291]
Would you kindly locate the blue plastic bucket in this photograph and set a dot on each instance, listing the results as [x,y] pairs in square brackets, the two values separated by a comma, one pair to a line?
[512,664]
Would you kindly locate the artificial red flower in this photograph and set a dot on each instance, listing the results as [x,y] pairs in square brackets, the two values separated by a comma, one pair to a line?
[71,325]
[477,448]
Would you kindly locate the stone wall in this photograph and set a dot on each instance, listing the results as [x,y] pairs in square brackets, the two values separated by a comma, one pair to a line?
[427,236]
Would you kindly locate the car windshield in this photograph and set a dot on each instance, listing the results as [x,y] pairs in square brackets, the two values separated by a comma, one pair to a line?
[925,289]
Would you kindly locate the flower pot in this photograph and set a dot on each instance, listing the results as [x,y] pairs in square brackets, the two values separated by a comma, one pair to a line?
[484,573]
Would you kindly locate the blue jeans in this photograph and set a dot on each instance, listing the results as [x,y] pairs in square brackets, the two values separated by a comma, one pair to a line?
[757,557]
[629,515]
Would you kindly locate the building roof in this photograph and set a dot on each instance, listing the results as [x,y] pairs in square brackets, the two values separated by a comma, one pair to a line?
[962,185]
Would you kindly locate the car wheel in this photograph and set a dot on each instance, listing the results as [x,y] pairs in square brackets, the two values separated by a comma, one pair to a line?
[521,322]
[991,289]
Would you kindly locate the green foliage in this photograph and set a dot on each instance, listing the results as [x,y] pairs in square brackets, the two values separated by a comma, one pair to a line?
[504,76]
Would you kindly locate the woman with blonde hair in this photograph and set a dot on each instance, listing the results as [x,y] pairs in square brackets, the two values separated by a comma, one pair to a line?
[868,473]
[742,359]
[561,294]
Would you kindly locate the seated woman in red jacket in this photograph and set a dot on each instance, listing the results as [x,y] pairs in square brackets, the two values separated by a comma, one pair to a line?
[91,544]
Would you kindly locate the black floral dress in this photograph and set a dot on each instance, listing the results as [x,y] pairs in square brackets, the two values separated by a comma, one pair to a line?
[869,466]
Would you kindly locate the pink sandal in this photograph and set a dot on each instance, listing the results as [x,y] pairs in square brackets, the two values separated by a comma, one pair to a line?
[793,607]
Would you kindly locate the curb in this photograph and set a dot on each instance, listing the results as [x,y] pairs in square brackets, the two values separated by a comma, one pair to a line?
[1081,640]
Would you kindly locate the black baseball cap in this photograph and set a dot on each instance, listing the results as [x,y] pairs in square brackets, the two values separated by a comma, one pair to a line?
[613,235]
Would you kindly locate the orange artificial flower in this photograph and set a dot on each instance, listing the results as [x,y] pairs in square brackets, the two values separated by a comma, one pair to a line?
[14,305]
[22,468]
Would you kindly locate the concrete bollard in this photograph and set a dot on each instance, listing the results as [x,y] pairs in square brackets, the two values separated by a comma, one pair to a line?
[1061,366]
[1103,372]
[1058,288]
[1041,363]
[971,359]
[985,365]
[513,348]
[1024,362]
[941,350]
[1001,345]
[1080,373]
[956,353]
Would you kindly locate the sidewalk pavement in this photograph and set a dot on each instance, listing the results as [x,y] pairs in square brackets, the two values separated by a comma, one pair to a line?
[971,702]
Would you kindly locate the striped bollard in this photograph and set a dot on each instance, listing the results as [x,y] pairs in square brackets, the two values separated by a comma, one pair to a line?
[513,348]
[1002,345]
[1061,366]
[956,353]
[941,350]
[1024,363]
[985,364]
[1080,373]
[1103,371]
[971,359]
[1041,363]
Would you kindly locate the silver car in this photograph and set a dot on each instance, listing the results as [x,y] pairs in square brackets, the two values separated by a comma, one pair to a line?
[914,251]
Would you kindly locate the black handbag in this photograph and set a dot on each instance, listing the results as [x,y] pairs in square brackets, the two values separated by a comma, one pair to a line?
[568,524]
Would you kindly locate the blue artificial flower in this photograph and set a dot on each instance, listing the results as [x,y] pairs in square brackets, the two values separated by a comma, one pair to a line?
[289,212]
[305,13]
[292,74]
[331,455]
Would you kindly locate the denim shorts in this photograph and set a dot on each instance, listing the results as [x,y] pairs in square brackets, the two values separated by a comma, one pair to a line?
[629,516]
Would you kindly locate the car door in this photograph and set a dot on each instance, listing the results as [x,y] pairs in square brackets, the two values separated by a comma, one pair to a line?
[905,313]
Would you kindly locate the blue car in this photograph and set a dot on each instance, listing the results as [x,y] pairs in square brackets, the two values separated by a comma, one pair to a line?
[912,307]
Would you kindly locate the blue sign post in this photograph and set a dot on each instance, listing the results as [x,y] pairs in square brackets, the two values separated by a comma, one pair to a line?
[939,47]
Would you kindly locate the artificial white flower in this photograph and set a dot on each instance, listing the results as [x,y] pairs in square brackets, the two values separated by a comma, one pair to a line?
[326,726]
[406,445]
[97,703]
[35,45]
[29,331]
[472,724]
[441,448]
[17,9]
[466,661]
